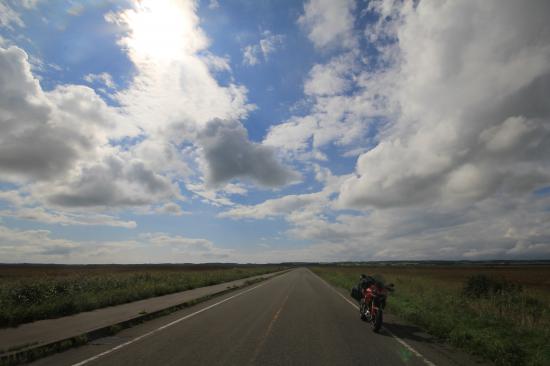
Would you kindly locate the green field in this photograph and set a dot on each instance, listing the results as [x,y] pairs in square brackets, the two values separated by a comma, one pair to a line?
[501,313]
[33,292]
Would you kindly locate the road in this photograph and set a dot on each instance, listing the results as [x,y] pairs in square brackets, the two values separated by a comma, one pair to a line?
[292,319]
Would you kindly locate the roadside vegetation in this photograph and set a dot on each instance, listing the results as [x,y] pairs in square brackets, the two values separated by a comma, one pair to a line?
[33,292]
[500,313]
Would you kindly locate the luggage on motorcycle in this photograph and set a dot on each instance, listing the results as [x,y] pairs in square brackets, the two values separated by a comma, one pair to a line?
[355,293]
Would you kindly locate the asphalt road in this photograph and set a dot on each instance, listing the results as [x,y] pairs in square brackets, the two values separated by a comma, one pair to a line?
[292,319]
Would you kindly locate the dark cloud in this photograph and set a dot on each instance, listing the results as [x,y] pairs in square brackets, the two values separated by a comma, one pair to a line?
[114,182]
[29,146]
[39,136]
[229,154]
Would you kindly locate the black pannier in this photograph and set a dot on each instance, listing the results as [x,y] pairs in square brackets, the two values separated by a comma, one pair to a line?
[355,293]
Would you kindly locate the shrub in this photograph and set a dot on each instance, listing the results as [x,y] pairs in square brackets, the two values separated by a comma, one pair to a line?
[483,286]
[29,298]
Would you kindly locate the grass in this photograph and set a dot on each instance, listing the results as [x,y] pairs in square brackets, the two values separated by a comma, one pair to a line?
[499,313]
[29,293]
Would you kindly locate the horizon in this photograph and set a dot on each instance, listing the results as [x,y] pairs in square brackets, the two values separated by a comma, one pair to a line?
[346,263]
[182,131]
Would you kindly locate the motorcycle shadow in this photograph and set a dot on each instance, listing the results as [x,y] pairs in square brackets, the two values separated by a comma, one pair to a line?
[407,332]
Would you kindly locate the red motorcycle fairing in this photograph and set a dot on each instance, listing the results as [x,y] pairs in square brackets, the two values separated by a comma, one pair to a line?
[373,302]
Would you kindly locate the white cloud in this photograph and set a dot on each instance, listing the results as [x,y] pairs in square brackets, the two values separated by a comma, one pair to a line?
[61,146]
[171,208]
[76,10]
[53,217]
[173,92]
[213,4]
[269,43]
[473,119]
[104,78]
[343,120]
[216,63]
[191,246]
[450,117]
[212,195]
[329,23]
[253,54]
[344,105]
[463,141]
[274,207]
[64,163]
[28,246]
[453,173]
[30,4]
[293,207]
[332,78]
[9,17]
[33,246]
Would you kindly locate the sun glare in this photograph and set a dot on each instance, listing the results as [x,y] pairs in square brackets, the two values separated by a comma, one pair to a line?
[162,30]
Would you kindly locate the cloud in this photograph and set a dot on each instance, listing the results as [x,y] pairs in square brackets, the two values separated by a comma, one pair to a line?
[53,217]
[332,78]
[40,246]
[253,54]
[463,138]
[338,119]
[30,4]
[9,17]
[104,78]
[227,154]
[487,230]
[33,246]
[329,23]
[292,207]
[112,183]
[76,10]
[216,63]
[66,163]
[344,108]
[39,139]
[171,208]
[183,244]
[213,4]
[472,118]
[70,150]
[173,92]
[274,207]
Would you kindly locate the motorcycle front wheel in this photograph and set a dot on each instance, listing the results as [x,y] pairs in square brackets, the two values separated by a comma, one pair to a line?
[363,310]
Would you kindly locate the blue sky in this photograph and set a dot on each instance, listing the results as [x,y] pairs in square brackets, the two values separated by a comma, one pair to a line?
[267,131]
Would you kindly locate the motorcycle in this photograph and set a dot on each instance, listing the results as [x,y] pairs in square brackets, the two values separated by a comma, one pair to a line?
[373,302]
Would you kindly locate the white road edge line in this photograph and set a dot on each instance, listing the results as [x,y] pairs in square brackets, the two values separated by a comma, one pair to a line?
[402,342]
[93,358]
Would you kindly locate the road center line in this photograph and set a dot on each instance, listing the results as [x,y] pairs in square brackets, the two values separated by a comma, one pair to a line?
[261,343]
[93,358]
[401,341]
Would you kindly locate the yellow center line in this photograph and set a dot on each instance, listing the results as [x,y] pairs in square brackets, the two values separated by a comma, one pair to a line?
[269,328]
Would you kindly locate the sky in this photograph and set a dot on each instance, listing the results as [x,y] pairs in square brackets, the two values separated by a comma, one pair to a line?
[274,130]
